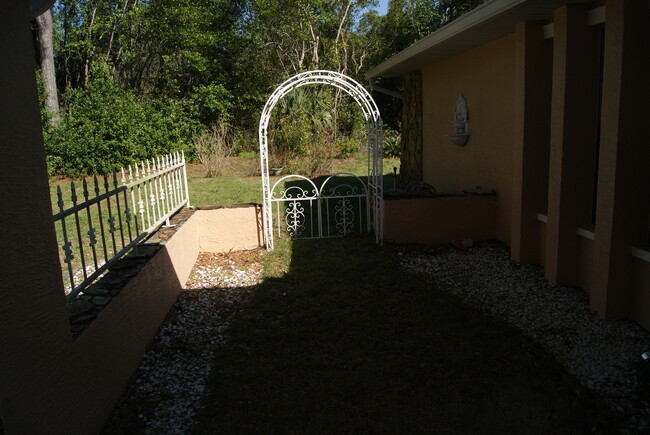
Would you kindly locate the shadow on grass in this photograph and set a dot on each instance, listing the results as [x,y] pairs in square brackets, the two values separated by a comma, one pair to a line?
[346,342]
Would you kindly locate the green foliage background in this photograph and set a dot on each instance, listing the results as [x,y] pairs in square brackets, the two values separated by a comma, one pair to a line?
[142,78]
[106,126]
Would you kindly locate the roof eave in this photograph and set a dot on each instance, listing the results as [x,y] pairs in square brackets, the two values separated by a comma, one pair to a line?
[473,18]
[490,21]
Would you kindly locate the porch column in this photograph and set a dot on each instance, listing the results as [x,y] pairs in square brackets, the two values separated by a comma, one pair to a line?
[623,203]
[531,144]
[37,393]
[574,115]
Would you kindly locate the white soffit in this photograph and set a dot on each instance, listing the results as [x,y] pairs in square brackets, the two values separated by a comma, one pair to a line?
[486,23]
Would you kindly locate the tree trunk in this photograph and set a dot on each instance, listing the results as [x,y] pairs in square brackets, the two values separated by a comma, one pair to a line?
[411,155]
[45,37]
[90,34]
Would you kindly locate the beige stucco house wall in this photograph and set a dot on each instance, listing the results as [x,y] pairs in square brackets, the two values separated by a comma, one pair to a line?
[557,96]
[485,76]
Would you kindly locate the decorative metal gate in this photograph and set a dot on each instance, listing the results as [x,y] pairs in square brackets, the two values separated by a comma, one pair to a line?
[339,208]
[310,201]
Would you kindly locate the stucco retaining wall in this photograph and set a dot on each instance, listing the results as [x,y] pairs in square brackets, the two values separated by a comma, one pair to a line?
[61,387]
[110,349]
[233,228]
[440,219]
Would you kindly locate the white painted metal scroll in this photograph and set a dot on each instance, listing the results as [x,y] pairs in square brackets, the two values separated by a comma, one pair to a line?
[338,208]
[375,143]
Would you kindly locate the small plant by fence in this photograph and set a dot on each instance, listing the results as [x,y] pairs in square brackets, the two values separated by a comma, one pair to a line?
[114,216]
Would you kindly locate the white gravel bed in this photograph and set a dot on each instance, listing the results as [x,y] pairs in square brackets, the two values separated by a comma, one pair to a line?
[604,356]
[167,391]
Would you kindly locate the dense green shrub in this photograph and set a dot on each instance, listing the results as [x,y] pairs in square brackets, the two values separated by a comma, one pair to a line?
[346,146]
[246,142]
[392,143]
[105,127]
[209,104]
[289,139]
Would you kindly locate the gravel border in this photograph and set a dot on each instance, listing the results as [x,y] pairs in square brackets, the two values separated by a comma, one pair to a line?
[167,391]
[604,356]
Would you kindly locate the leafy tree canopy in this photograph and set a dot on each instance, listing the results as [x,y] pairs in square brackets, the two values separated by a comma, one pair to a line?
[198,62]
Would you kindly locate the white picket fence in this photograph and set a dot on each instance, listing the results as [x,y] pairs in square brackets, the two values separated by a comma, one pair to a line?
[115,216]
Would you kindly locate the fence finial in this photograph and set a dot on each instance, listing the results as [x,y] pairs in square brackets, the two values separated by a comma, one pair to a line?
[96,185]
[73,193]
[85,190]
[59,194]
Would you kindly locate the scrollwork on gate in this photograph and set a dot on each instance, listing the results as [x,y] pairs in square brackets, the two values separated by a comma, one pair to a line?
[344,217]
[295,219]
[336,209]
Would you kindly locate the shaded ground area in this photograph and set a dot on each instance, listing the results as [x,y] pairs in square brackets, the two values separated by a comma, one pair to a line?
[604,355]
[168,388]
[340,339]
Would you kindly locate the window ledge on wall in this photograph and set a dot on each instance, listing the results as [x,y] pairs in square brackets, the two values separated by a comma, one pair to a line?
[542,217]
[586,232]
[641,253]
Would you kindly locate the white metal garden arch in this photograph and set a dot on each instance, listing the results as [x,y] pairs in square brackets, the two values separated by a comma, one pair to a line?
[375,142]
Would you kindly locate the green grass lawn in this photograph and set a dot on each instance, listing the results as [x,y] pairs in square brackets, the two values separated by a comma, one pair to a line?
[338,339]
[241,182]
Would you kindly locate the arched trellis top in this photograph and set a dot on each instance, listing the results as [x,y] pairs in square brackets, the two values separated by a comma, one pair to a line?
[338,80]
[375,140]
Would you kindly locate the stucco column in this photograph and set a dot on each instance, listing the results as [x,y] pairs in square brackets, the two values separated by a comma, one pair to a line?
[35,341]
[623,182]
[532,90]
[574,115]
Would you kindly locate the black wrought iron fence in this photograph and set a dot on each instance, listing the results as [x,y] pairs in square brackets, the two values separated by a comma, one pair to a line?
[108,217]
